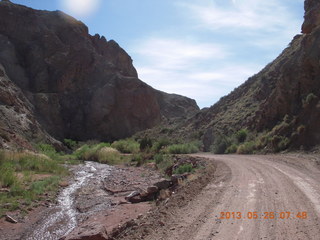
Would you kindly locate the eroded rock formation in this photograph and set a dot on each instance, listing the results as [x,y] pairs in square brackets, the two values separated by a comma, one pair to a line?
[74,85]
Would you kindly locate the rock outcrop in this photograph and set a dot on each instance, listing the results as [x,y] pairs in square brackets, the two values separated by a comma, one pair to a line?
[17,123]
[311,16]
[75,85]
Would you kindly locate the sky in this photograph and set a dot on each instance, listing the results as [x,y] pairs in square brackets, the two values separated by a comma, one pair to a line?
[201,49]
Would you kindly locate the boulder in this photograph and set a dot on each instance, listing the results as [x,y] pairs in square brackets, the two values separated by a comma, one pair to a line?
[134,197]
[152,189]
[163,184]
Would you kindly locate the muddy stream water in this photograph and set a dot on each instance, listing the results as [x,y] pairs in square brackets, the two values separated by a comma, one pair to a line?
[82,197]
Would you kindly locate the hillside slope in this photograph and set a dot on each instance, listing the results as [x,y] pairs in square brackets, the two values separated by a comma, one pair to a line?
[280,104]
[72,84]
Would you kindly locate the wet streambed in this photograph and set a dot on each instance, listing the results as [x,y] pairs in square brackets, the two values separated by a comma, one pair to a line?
[83,196]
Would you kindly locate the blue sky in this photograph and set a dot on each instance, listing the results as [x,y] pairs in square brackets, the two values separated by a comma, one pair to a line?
[202,49]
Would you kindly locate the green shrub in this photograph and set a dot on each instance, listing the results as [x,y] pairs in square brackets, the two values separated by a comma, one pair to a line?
[184,169]
[158,158]
[279,143]
[70,143]
[246,148]
[7,176]
[280,128]
[165,163]
[186,148]
[90,153]
[126,146]
[48,150]
[79,153]
[241,135]
[99,146]
[220,145]
[263,140]
[283,144]
[145,143]
[47,184]
[137,157]
[232,149]
[109,155]
[166,130]
[101,153]
[160,144]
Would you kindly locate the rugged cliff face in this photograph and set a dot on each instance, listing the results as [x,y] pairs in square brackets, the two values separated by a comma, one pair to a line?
[72,84]
[282,100]
[17,122]
[312,16]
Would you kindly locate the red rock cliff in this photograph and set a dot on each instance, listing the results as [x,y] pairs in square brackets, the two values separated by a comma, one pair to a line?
[77,86]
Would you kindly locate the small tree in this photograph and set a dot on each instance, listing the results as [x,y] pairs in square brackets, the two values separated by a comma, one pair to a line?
[241,135]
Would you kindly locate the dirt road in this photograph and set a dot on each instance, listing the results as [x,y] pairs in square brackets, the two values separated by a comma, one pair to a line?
[251,197]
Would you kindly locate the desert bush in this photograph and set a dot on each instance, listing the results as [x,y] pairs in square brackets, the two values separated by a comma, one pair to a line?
[241,135]
[220,145]
[167,130]
[7,177]
[280,128]
[232,148]
[90,152]
[246,148]
[109,155]
[263,140]
[48,150]
[137,157]
[145,143]
[279,143]
[142,158]
[101,153]
[158,158]
[126,146]
[79,153]
[165,163]
[160,144]
[70,143]
[184,169]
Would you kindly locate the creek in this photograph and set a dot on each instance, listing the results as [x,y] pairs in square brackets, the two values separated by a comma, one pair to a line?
[62,218]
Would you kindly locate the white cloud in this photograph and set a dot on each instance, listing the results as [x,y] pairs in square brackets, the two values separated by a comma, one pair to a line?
[205,87]
[224,43]
[191,69]
[244,15]
[176,54]
[80,8]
